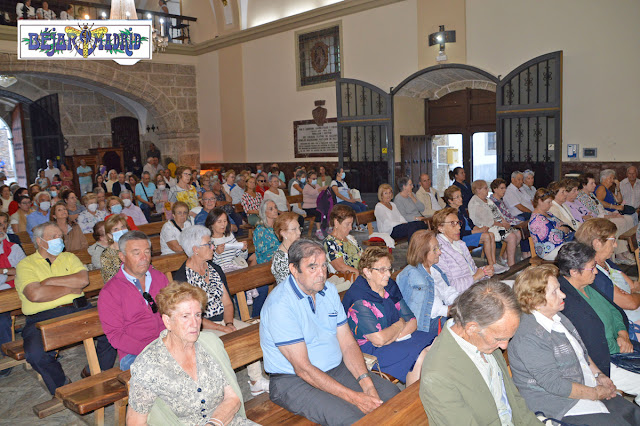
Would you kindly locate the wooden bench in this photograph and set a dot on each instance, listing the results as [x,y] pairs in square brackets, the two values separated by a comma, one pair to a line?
[403,409]
[247,279]
[630,238]
[298,199]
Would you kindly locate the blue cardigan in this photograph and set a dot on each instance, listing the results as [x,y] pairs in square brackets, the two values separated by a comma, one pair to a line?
[418,291]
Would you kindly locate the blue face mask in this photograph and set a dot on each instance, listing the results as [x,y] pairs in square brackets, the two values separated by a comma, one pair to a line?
[54,194]
[118,234]
[314,182]
[117,209]
[258,171]
[56,246]
[303,180]
[343,175]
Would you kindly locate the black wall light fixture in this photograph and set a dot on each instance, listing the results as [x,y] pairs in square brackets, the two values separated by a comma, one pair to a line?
[440,38]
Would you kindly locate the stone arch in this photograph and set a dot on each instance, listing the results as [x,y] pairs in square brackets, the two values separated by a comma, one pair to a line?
[167,91]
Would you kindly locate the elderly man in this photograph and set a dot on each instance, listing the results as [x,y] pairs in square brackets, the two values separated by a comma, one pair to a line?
[85,176]
[127,307]
[630,188]
[166,174]
[150,167]
[316,367]
[208,204]
[42,201]
[121,185]
[131,210]
[51,170]
[49,284]
[144,195]
[465,379]
[516,198]
[428,196]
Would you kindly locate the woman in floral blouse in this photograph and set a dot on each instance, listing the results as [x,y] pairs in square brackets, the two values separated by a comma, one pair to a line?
[381,321]
[548,232]
[266,243]
[343,249]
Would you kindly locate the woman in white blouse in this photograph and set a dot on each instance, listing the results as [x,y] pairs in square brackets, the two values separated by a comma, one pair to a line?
[390,220]
[484,212]
[172,228]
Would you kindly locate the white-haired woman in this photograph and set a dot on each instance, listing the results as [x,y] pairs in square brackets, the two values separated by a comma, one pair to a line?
[527,185]
[612,201]
[199,270]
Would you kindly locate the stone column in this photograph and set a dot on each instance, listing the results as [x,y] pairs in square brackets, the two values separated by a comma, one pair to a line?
[182,147]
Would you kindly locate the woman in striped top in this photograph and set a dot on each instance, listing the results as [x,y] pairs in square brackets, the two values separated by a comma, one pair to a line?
[227,251]
[251,200]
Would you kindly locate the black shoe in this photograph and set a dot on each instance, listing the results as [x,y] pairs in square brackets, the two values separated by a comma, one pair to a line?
[85,373]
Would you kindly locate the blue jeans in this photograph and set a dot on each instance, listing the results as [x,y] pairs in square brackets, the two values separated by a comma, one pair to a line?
[126,361]
[357,206]
[146,210]
[5,327]
[263,292]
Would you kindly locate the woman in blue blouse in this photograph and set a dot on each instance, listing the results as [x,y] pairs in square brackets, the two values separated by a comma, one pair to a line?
[547,231]
[266,243]
[381,321]
[424,285]
[458,176]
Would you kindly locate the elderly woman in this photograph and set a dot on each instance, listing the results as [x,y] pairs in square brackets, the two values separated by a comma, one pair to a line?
[408,205]
[612,201]
[458,176]
[89,217]
[602,325]
[342,249]
[614,284]
[548,232]
[343,194]
[161,197]
[287,230]
[96,249]
[231,188]
[228,253]
[558,208]
[424,285]
[223,200]
[472,235]
[527,184]
[266,243]
[188,370]
[550,364]
[114,228]
[72,235]
[381,321]
[484,213]
[276,194]
[390,220]
[183,190]
[310,194]
[579,211]
[66,175]
[115,206]
[172,228]
[13,205]
[113,178]
[251,200]
[455,260]
[200,271]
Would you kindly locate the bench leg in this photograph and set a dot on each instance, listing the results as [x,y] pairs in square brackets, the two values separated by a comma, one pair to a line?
[121,411]
[98,418]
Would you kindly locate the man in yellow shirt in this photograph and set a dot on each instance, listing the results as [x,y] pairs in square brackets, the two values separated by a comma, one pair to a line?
[49,284]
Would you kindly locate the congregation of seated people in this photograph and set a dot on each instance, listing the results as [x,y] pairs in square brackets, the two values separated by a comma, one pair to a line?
[328,350]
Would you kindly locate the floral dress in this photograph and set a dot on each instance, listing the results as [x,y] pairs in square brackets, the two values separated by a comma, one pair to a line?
[546,233]
[213,288]
[280,266]
[504,211]
[189,196]
[591,203]
[265,242]
[348,250]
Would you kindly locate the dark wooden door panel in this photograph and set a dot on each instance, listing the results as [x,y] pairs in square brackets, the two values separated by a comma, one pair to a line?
[125,134]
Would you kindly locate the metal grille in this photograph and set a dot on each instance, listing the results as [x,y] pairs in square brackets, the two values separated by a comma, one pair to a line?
[533,85]
[365,155]
[320,56]
[358,100]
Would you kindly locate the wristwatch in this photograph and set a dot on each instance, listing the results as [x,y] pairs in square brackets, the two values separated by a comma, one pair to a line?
[5,271]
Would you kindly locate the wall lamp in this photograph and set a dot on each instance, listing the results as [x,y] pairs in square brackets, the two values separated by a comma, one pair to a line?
[153,128]
[441,37]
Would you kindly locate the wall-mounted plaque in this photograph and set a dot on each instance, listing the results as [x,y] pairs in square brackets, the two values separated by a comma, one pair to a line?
[311,140]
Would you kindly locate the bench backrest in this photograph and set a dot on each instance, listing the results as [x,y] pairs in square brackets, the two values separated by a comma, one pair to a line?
[247,279]
[152,228]
[243,346]
[169,263]
[70,329]
[366,218]
[403,409]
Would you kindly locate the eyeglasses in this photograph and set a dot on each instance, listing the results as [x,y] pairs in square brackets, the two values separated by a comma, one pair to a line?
[454,223]
[383,270]
[314,266]
[206,245]
[589,269]
[150,301]
[261,180]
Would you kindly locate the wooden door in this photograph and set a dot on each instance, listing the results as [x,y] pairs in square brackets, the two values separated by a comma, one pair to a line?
[48,141]
[17,124]
[529,126]
[125,134]
[415,157]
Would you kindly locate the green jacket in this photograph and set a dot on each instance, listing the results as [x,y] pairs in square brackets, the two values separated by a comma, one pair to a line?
[161,414]
[454,393]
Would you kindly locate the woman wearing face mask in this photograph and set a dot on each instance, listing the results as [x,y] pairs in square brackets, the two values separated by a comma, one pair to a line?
[88,218]
[343,194]
[310,194]
[73,206]
[114,228]
[161,197]
[115,206]
[72,235]
[55,194]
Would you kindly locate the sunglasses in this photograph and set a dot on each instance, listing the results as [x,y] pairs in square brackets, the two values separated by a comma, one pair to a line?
[150,301]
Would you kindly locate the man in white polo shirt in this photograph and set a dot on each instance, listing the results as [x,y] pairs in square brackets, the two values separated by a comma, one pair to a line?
[516,198]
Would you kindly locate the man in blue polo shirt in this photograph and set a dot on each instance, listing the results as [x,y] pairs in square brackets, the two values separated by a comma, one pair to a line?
[317,369]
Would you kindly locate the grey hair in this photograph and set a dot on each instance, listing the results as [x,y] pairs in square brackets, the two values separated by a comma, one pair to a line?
[605,173]
[99,190]
[302,249]
[515,174]
[263,210]
[112,170]
[125,192]
[484,303]
[573,255]
[132,236]
[402,182]
[299,173]
[38,231]
[146,173]
[527,173]
[191,237]
[37,197]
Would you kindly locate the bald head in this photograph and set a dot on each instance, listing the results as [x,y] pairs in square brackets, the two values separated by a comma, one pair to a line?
[632,174]
[425,181]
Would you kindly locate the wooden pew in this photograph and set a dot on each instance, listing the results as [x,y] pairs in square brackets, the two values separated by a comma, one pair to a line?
[630,238]
[297,199]
[169,263]
[403,409]
[247,279]
[152,228]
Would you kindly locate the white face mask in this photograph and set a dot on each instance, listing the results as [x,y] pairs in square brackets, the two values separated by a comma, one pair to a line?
[126,202]
[92,207]
[45,206]
[161,187]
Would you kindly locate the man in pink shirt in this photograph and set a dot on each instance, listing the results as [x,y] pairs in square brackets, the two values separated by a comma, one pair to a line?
[127,307]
